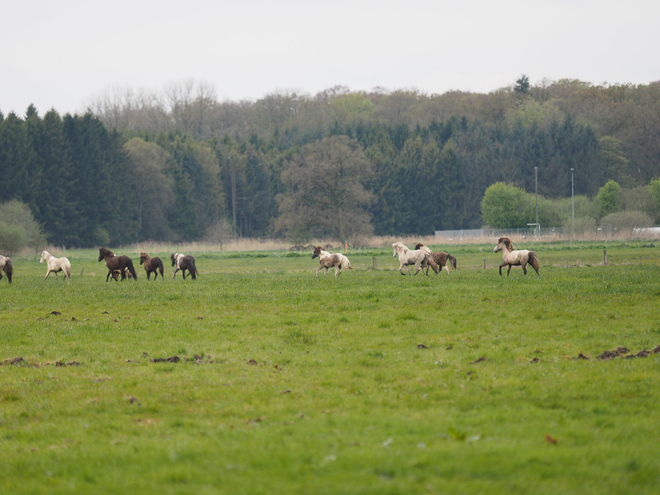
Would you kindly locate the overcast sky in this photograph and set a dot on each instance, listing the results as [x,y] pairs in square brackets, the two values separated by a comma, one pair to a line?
[61,54]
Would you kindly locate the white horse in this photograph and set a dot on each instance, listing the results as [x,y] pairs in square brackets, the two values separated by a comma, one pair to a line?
[6,266]
[513,257]
[328,260]
[56,265]
[416,257]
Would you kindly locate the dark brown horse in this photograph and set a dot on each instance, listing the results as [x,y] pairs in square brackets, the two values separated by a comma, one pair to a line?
[152,265]
[113,263]
[6,266]
[184,262]
[440,258]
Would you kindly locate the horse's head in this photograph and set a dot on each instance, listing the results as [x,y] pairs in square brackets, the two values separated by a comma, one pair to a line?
[419,245]
[103,252]
[317,251]
[398,248]
[143,257]
[44,256]
[503,242]
[173,258]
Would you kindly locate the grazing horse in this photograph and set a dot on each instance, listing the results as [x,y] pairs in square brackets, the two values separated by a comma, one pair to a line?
[513,257]
[6,266]
[327,260]
[415,257]
[184,262]
[121,263]
[152,265]
[440,258]
[56,265]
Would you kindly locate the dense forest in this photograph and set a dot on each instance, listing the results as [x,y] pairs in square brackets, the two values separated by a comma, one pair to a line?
[180,165]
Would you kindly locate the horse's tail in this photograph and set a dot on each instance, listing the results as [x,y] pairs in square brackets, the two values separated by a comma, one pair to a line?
[346,264]
[193,270]
[129,265]
[534,261]
[452,259]
[9,269]
[67,269]
[161,268]
[431,261]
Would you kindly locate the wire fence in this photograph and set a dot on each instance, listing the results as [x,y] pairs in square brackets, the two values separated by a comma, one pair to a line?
[548,233]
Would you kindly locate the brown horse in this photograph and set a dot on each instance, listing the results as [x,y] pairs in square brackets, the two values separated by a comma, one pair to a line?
[513,257]
[6,266]
[152,265]
[121,263]
[440,258]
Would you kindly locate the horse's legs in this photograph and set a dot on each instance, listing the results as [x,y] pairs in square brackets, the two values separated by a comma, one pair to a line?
[56,277]
[445,268]
[401,269]
[524,269]
[175,270]
[504,264]
[509,270]
[47,273]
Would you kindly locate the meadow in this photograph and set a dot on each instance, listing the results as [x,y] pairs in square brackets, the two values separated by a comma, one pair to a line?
[259,377]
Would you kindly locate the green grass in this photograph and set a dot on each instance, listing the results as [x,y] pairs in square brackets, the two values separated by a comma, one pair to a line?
[291,383]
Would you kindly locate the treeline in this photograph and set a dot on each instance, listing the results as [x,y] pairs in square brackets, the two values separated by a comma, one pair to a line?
[182,165]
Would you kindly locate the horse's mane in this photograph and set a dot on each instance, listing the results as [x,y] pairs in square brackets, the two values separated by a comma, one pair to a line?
[105,251]
[507,242]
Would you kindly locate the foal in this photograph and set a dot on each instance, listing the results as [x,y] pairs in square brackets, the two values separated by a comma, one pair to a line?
[184,262]
[56,265]
[327,260]
[152,265]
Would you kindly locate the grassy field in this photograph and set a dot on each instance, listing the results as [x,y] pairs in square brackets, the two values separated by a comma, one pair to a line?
[280,382]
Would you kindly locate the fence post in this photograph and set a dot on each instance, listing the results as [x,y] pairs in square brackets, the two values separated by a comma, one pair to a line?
[484,263]
[375,266]
[605,256]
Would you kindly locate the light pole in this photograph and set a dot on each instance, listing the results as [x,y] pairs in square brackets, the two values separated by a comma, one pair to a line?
[572,197]
[572,204]
[536,194]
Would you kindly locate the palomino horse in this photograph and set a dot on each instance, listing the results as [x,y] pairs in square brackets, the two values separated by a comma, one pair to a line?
[184,262]
[152,265]
[121,263]
[328,260]
[56,265]
[6,266]
[416,257]
[513,257]
[440,258]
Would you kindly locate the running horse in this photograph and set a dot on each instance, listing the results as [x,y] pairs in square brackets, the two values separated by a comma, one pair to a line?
[415,257]
[514,257]
[439,257]
[121,263]
[6,266]
[328,260]
[56,265]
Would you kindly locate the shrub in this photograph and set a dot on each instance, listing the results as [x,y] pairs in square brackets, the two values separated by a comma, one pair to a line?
[626,221]
[505,207]
[608,198]
[581,226]
[12,238]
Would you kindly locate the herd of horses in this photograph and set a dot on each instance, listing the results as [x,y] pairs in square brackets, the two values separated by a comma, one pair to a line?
[421,258]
